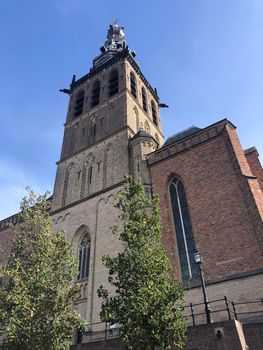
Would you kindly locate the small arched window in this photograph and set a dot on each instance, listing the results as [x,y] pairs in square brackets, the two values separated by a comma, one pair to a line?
[133,85]
[78,108]
[84,257]
[114,83]
[183,230]
[144,100]
[95,99]
[154,114]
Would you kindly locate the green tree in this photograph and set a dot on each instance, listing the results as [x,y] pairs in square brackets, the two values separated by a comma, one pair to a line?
[37,286]
[148,300]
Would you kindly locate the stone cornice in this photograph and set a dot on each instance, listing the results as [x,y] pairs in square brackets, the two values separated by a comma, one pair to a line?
[95,194]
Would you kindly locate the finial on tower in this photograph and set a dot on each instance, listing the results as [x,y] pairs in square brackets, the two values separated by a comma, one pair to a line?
[114,44]
[115,37]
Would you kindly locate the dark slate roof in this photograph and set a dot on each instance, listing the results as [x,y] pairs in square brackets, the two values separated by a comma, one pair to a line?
[181,135]
[140,133]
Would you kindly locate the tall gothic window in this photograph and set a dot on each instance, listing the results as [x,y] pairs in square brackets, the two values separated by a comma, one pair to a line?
[78,108]
[144,100]
[154,114]
[183,230]
[133,85]
[113,83]
[95,99]
[84,257]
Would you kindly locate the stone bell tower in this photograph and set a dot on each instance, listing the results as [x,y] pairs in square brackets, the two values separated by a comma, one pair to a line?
[112,122]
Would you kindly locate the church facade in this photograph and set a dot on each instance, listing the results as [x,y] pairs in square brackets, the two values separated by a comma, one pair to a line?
[210,189]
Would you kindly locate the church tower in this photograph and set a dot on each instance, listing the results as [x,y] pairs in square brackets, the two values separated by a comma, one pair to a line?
[112,123]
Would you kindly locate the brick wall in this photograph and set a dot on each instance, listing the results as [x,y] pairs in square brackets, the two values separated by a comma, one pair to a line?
[201,337]
[6,236]
[247,181]
[220,200]
[254,335]
[254,164]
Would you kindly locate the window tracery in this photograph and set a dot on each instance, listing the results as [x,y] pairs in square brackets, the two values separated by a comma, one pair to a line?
[84,257]
[183,230]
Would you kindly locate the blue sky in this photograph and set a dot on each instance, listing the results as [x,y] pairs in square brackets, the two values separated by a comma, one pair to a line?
[204,56]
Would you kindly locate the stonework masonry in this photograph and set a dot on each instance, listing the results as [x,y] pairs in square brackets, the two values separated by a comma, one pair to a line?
[95,216]
[96,154]
[113,128]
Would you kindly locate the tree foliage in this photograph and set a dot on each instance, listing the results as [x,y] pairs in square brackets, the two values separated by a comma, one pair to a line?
[38,284]
[148,302]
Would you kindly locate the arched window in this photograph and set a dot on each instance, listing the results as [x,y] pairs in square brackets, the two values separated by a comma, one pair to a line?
[113,83]
[183,230]
[144,100]
[78,108]
[95,99]
[154,114]
[133,85]
[84,257]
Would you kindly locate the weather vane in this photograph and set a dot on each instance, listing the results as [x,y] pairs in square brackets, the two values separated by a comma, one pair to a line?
[115,20]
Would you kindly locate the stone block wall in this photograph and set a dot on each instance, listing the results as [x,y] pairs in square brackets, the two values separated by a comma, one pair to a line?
[240,291]
[91,170]
[136,116]
[95,216]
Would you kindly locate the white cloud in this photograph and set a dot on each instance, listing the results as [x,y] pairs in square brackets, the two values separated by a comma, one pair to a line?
[13,182]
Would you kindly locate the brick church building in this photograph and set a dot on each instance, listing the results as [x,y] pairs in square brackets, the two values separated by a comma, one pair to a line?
[210,189]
